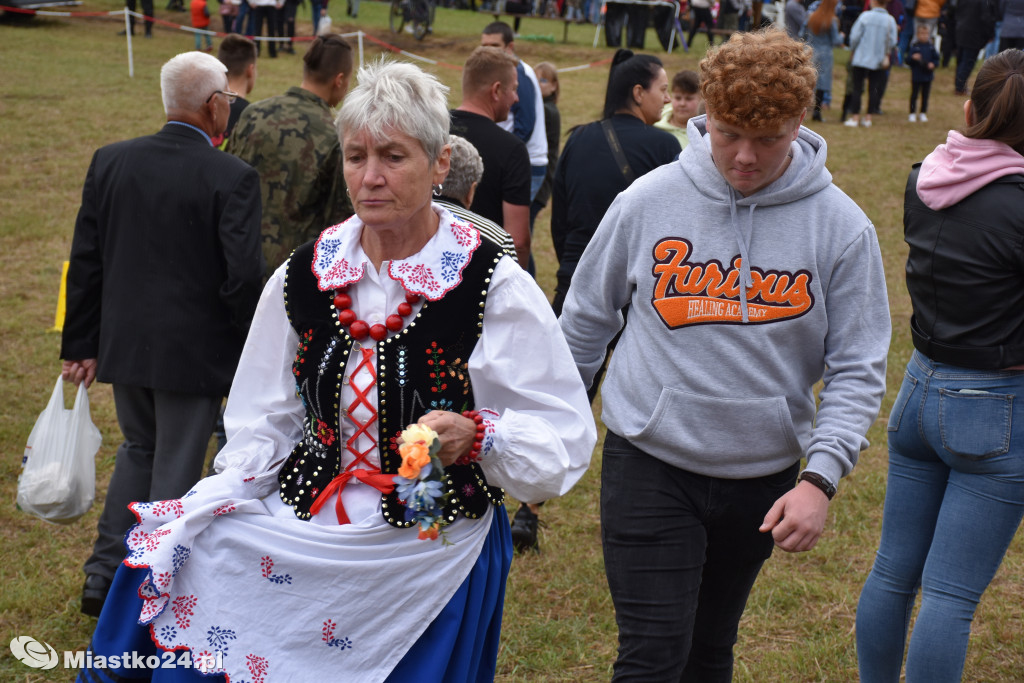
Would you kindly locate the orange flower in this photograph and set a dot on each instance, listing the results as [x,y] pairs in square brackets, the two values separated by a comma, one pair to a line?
[414,457]
[429,534]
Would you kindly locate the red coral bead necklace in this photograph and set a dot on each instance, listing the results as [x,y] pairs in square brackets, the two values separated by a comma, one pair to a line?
[360,329]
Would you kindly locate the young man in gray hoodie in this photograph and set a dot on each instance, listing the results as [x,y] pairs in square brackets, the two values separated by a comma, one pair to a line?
[749,277]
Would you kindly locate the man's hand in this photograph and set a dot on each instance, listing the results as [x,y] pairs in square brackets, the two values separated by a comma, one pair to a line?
[79,370]
[455,431]
[798,518]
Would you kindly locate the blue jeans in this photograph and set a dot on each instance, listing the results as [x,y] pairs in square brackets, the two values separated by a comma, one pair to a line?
[954,500]
[681,553]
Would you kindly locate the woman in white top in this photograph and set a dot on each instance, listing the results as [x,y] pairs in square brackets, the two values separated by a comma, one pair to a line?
[301,559]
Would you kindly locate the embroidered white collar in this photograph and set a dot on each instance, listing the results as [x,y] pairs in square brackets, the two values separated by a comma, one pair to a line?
[339,259]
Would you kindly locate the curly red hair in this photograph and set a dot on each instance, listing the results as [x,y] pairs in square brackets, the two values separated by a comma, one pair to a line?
[758,79]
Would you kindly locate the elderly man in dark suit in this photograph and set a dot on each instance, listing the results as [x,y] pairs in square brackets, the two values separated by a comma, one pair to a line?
[165,274]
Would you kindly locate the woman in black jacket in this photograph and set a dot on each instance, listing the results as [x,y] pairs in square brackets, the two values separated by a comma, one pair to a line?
[955,493]
[589,176]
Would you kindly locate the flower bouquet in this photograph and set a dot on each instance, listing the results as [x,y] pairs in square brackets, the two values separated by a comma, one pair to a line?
[418,483]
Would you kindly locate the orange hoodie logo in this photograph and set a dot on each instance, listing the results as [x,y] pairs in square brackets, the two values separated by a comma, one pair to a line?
[689,293]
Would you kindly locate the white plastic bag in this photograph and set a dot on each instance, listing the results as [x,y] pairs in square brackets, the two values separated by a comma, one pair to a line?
[58,476]
[324,29]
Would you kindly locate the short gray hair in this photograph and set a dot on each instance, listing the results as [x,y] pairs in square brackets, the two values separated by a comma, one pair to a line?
[467,167]
[401,96]
[187,80]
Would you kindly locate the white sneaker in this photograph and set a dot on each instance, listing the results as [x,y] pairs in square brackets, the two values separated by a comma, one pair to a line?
[922,117]
[866,124]
[852,123]
[912,118]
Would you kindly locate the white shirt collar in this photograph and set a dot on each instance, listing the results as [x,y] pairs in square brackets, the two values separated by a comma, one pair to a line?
[432,272]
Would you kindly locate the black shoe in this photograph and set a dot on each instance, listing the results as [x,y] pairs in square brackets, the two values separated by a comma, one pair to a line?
[94,594]
[524,530]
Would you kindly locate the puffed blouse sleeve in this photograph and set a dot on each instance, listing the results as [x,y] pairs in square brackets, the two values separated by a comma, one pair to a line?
[263,418]
[525,381]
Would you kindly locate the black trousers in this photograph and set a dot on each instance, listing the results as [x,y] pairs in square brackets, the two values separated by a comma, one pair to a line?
[616,15]
[925,89]
[681,553]
[269,14]
[702,15]
[875,78]
[147,9]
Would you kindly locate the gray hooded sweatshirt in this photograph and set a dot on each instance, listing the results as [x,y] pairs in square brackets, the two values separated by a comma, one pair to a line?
[716,378]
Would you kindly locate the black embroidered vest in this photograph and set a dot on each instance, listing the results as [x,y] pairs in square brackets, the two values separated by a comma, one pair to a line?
[424,367]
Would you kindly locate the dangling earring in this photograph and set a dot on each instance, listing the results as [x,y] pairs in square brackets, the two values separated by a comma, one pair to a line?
[437,189]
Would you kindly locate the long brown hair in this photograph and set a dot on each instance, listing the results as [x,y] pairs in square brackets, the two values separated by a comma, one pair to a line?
[821,19]
[997,101]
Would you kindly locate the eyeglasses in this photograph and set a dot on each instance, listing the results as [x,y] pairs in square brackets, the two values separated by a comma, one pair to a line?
[231,96]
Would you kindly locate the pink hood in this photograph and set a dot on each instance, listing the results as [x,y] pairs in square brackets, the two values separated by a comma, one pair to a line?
[963,166]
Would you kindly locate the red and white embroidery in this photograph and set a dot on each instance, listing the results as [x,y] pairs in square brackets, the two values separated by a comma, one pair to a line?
[258,667]
[161,580]
[152,608]
[338,260]
[139,539]
[465,234]
[183,607]
[165,508]
[416,274]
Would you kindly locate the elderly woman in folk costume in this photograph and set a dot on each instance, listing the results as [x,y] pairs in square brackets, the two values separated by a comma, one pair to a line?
[334,541]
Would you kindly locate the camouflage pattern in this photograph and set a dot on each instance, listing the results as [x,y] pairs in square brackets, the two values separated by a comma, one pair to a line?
[291,141]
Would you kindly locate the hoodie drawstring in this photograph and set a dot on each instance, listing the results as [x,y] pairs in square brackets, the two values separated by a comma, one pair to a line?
[746,281]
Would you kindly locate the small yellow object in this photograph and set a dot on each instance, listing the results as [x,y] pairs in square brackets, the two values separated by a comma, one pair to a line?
[58,321]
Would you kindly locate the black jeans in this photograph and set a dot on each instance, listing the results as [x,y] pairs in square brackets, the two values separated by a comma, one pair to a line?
[268,14]
[966,58]
[147,9]
[875,80]
[681,553]
[617,14]
[923,87]
[702,16]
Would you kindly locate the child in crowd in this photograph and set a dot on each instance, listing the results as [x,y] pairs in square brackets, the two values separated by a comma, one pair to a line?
[201,20]
[228,12]
[686,103]
[923,59]
[547,78]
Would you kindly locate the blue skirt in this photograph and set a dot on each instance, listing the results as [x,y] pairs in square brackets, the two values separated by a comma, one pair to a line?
[460,645]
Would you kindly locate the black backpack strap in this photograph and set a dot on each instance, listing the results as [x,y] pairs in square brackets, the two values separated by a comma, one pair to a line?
[620,157]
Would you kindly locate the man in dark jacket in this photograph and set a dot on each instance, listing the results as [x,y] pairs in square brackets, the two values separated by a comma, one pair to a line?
[975,27]
[164,278]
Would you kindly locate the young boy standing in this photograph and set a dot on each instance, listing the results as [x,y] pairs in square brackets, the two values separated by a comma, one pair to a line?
[686,103]
[201,20]
[923,59]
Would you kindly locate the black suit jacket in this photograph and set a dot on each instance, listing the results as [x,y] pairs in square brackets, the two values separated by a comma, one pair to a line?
[166,266]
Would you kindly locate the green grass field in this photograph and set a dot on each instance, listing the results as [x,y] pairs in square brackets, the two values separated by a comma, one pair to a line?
[65,90]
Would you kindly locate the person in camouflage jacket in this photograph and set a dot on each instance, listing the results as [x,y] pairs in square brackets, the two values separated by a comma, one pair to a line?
[291,141]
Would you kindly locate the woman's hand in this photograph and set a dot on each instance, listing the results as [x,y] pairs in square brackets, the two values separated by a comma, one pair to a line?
[455,432]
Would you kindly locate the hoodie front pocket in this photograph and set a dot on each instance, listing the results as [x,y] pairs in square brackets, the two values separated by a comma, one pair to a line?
[707,426]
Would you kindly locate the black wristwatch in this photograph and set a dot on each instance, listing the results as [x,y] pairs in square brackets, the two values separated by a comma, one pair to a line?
[827,487]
